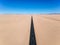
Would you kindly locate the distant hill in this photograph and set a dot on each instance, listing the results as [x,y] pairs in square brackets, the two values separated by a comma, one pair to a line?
[54,13]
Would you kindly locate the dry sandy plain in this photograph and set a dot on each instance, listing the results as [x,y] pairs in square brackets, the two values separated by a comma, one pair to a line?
[15,29]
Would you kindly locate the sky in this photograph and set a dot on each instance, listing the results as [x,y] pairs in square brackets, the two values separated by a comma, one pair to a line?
[29,6]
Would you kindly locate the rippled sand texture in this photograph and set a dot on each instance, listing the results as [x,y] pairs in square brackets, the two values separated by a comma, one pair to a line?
[47,29]
[14,29]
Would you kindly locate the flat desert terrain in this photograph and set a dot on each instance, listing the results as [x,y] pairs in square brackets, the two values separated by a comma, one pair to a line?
[47,29]
[15,29]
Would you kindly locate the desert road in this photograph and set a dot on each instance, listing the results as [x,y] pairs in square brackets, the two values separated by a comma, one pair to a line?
[15,29]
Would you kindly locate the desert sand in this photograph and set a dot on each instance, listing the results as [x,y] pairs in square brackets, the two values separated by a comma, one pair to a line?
[15,29]
[47,29]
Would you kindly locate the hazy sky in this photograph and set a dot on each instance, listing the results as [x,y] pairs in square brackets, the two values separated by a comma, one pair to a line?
[29,6]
